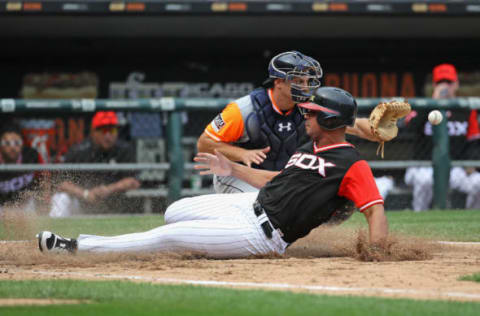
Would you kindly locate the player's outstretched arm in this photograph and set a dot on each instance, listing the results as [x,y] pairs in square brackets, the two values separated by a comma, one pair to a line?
[377,224]
[234,153]
[362,129]
[206,144]
[219,164]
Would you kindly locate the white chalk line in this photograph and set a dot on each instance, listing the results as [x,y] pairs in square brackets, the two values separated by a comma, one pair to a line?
[459,243]
[267,285]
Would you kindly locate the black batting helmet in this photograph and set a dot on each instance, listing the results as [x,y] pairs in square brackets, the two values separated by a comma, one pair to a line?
[334,107]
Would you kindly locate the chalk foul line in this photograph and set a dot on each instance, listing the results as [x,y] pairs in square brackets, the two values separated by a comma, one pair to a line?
[267,285]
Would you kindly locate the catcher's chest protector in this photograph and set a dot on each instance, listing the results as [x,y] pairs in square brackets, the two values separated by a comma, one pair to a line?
[265,127]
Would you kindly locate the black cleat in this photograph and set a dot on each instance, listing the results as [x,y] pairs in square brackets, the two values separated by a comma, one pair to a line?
[49,242]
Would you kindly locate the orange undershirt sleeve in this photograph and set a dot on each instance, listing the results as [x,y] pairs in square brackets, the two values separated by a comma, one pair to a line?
[227,126]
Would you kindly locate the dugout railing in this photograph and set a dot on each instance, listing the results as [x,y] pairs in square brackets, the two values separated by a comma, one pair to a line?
[176,164]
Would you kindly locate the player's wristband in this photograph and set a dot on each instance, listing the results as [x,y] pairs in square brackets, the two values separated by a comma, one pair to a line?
[85,194]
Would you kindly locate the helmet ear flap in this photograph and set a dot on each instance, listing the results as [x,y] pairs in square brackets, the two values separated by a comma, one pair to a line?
[330,123]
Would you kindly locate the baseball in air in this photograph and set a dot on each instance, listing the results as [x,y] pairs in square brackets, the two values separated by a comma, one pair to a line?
[435,117]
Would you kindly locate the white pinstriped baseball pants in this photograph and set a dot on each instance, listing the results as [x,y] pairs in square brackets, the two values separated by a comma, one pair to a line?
[218,225]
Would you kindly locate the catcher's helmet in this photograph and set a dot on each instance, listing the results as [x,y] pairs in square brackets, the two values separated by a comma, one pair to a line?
[291,65]
[334,107]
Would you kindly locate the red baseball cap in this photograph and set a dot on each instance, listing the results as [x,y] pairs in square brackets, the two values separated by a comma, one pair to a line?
[445,72]
[104,119]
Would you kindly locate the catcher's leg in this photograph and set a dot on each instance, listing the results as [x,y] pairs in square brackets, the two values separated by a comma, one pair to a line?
[231,185]
[208,207]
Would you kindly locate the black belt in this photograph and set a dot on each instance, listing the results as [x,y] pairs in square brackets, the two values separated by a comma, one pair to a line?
[266,226]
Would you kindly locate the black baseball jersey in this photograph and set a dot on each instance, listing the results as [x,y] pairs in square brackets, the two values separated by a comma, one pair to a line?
[314,183]
[14,183]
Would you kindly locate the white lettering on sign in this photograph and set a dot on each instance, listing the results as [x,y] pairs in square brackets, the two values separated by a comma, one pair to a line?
[309,162]
[455,128]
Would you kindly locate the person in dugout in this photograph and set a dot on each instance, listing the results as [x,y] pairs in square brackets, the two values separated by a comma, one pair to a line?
[20,190]
[97,191]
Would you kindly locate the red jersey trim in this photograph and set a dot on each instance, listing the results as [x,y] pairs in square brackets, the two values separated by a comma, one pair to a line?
[328,147]
[274,104]
[370,204]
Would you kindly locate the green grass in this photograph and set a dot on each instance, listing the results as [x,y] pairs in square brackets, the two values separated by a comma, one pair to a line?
[72,227]
[127,298]
[109,225]
[452,225]
[474,277]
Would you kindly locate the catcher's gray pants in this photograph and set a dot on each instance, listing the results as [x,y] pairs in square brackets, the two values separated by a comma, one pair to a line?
[231,185]
[218,225]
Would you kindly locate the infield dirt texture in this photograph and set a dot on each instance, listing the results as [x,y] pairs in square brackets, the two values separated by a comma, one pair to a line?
[331,261]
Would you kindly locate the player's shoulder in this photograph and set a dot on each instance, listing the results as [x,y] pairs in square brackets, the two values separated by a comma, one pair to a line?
[236,111]
[349,153]
[244,105]
[306,147]
[80,152]
[345,152]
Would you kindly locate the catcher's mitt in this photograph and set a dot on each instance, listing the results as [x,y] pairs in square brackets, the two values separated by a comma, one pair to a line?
[383,120]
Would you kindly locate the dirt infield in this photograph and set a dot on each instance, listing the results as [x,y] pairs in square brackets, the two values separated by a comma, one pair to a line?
[413,268]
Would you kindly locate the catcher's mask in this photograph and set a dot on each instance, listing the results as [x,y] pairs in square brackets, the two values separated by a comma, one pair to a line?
[302,72]
[334,107]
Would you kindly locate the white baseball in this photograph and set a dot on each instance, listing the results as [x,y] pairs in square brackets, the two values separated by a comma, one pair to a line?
[435,117]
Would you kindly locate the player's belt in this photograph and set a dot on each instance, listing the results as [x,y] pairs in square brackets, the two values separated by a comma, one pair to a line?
[264,221]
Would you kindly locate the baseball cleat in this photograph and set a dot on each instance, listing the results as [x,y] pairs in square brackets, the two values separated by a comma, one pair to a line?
[50,242]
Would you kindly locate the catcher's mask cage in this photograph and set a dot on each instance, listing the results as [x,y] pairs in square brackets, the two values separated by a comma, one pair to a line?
[303,73]
[334,107]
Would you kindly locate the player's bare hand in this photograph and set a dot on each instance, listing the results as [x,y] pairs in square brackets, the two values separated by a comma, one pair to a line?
[130,184]
[256,156]
[213,164]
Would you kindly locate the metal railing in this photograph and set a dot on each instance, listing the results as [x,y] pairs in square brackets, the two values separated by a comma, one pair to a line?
[440,157]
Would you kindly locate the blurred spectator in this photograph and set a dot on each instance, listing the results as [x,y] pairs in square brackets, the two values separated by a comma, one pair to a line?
[446,84]
[20,189]
[385,184]
[97,191]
